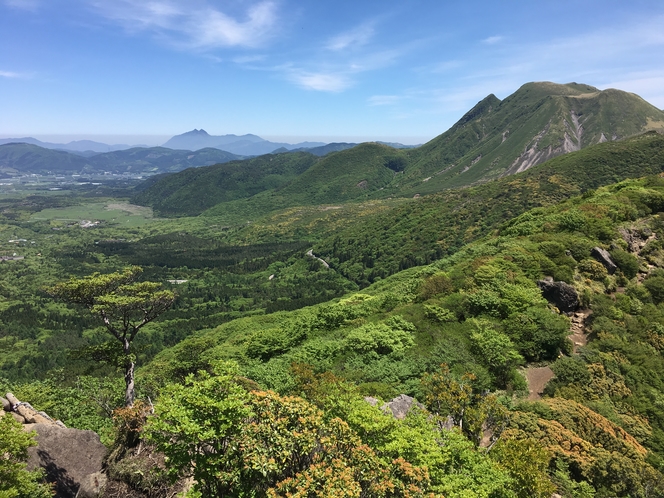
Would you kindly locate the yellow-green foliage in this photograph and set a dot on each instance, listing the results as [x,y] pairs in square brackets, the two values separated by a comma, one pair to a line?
[15,480]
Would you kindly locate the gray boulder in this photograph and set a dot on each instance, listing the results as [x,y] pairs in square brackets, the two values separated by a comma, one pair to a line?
[603,256]
[562,295]
[92,485]
[66,455]
[400,406]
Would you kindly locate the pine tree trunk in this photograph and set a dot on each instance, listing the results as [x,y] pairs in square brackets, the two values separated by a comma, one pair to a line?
[129,381]
[128,376]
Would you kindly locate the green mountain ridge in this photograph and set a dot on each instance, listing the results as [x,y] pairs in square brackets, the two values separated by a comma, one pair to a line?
[194,190]
[495,138]
[536,123]
[422,230]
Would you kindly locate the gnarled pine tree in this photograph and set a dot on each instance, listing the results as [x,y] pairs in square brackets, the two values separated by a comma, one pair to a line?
[123,305]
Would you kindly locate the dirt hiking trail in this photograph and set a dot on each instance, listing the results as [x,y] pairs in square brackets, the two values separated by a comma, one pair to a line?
[538,377]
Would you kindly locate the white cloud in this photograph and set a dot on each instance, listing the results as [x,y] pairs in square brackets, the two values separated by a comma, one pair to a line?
[194,25]
[350,39]
[492,40]
[11,75]
[23,4]
[248,59]
[321,81]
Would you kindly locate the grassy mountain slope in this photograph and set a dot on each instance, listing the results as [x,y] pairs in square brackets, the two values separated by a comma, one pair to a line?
[496,138]
[350,175]
[536,123]
[481,311]
[421,230]
[192,191]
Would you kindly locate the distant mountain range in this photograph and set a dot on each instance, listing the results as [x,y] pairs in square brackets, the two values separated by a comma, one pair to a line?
[189,150]
[243,145]
[494,139]
[240,145]
[80,146]
[23,158]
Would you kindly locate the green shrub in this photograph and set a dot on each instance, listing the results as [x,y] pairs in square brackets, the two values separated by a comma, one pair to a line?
[593,269]
[655,286]
[628,263]
[439,283]
[495,348]
[438,314]
[378,338]
[538,333]
[570,370]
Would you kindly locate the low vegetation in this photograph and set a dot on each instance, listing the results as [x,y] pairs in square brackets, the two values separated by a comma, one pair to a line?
[269,352]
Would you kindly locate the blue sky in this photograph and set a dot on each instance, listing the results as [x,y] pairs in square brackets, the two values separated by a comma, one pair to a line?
[129,71]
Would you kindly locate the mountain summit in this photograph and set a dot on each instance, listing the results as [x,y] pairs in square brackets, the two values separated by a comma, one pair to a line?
[244,145]
[541,120]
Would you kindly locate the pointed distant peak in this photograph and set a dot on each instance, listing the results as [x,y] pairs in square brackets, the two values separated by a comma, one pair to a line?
[197,132]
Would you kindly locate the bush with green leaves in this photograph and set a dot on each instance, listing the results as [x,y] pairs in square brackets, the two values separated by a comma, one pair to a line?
[628,263]
[15,480]
[439,314]
[592,269]
[655,286]
[496,350]
[378,339]
[239,443]
[539,333]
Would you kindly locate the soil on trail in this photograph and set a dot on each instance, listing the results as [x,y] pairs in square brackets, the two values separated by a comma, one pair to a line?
[578,329]
[538,377]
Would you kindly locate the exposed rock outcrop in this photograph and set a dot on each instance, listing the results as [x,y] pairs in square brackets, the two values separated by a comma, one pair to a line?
[637,238]
[401,406]
[603,256]
[398,407]
[562,295]
[68,456]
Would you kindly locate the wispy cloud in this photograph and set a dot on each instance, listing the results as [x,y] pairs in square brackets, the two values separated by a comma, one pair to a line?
[248,59]
[352,39]
[12,75]
[339,75]
[320,81]
[492,40]
[194,25]
[341,68]
[23,4]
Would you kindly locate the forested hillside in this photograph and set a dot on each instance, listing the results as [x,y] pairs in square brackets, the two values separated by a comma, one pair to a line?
[308,326]
[595,431]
